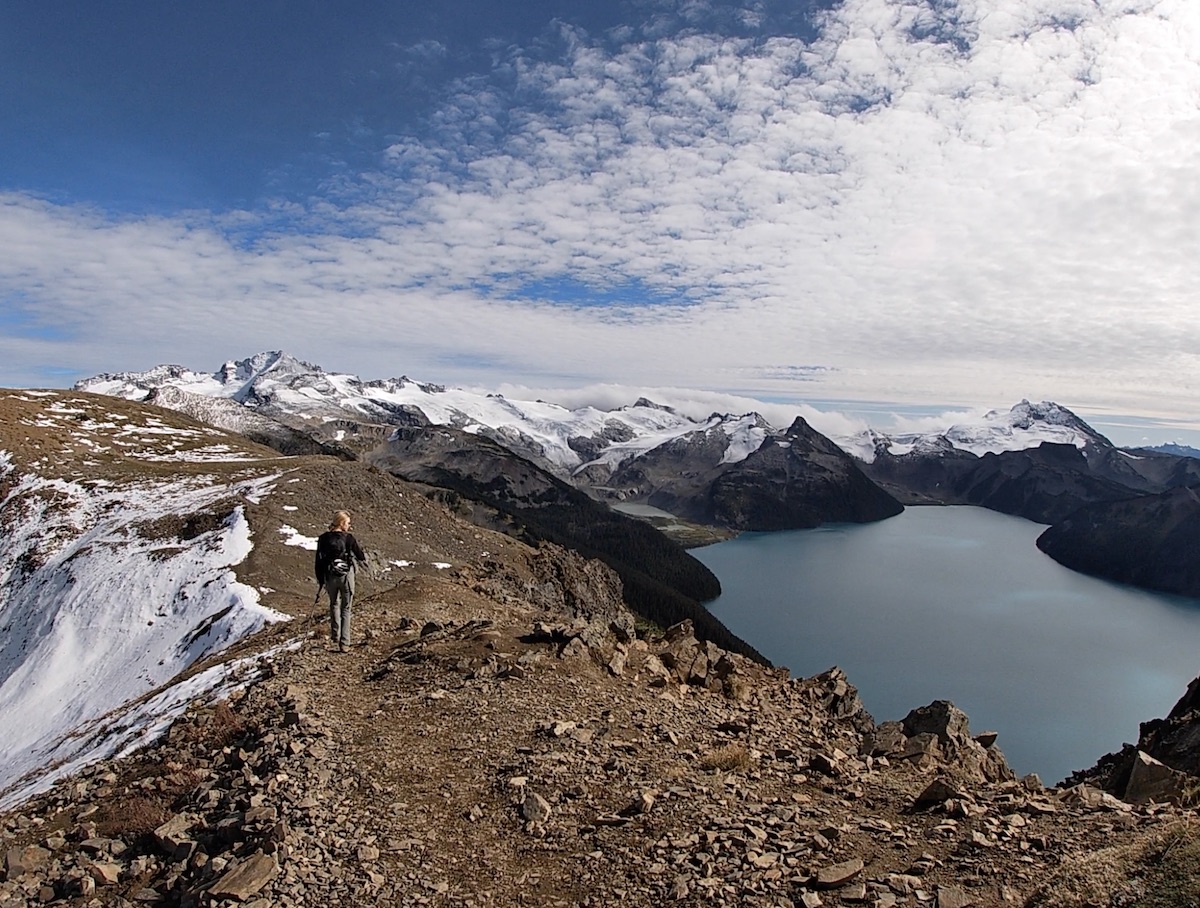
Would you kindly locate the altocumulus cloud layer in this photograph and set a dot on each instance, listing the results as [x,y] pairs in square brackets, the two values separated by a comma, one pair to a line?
[932,200]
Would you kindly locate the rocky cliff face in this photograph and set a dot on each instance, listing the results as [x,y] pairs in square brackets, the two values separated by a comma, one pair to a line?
[1043,484]
[1150,541]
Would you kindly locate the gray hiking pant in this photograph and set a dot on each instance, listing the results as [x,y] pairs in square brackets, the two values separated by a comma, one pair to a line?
[341,598]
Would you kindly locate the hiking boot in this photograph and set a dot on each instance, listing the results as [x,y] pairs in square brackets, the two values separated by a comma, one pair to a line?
[341,647]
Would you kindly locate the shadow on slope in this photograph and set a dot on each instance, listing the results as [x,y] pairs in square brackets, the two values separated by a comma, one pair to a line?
[663,583]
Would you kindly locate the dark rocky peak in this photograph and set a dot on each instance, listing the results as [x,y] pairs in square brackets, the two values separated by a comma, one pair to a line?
[650,405]
[799,426]
[1188,703]
[799,480]
[803,437]
[395,384]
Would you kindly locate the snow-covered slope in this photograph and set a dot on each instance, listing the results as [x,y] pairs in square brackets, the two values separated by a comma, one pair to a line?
[563,439]
[1026,425]
[107,591]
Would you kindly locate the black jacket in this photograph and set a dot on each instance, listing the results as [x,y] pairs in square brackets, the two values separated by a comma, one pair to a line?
[330,545]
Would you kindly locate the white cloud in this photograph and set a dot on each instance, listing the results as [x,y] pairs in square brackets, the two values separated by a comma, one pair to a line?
[961,202]
[697,404]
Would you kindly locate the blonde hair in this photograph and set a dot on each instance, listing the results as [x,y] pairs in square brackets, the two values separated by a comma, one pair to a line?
[341,520]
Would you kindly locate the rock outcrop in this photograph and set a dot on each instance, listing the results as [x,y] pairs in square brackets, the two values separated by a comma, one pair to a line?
[939,735]
[1164,765]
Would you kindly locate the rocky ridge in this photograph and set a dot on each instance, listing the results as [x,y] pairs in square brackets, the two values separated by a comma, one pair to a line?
[1163,766]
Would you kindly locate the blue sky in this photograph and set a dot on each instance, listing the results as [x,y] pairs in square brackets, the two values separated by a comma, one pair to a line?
[950,203]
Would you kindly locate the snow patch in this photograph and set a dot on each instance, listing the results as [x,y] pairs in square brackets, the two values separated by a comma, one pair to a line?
[745,437]
[292,536]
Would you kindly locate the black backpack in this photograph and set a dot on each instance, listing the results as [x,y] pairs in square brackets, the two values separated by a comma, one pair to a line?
[341,562]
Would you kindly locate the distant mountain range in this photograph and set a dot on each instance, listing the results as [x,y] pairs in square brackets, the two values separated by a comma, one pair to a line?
[645,452]
[730,471]
[561,440]
[567,441]
[1177,450]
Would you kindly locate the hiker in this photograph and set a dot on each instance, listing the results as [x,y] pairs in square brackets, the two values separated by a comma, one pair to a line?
[337,550]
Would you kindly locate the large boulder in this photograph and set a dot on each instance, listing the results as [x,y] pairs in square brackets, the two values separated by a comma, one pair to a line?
[1152,781]
[940,734]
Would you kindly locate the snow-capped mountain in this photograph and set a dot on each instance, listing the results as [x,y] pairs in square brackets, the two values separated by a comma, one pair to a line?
[1025,426]
[560,439]
[565,440]
[644,452]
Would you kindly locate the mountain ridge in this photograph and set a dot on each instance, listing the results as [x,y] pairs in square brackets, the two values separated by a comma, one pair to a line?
[1025,425]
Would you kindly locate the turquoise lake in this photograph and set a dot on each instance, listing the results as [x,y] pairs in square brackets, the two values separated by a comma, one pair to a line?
[957,603]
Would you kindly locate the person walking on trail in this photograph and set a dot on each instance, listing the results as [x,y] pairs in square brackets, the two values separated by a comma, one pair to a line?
[337,551]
